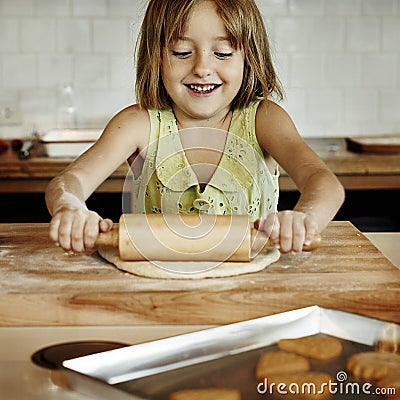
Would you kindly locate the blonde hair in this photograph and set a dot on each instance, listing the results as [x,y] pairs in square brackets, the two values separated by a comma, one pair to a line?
[165,21]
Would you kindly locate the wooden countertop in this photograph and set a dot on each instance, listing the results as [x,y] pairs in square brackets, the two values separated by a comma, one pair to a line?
[41,285]
[33,175]
[355,170]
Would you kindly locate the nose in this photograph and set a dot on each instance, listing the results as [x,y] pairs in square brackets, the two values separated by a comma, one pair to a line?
[202,64]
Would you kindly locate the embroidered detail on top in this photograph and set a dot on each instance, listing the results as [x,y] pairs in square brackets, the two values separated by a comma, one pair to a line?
[241,184]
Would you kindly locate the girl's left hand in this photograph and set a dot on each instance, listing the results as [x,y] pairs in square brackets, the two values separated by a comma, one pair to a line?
[289,230]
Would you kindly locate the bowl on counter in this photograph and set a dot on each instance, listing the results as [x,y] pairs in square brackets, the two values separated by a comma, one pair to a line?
[66,143]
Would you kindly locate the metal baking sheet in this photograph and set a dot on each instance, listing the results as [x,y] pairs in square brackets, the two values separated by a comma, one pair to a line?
[220,357]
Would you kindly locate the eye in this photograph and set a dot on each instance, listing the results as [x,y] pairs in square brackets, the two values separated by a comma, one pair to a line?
[181,54]
[222,55]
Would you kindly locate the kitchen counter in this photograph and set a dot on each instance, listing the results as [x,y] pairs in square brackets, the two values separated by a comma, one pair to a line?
[356,171]
[43,286]
[33,175]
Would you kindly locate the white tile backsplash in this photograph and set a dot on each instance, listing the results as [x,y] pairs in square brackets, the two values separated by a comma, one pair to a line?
[93,113]
[296,105]
[273,8]
[338,60]
[17,7]
[361,105]
[53,8]
[307,70]
[345,8]
[111,36]
[390,105]
[38,35]
[89,8]
[282,66]
[9,34]
[122,73]
[325,33]
[306,7]
[289,34]
[54,69]
[363,34]
[379,7]
[325,105]
[379,70]
[124,8]
[19,71]
[343,70]
[91,71]
[1,76]
[391,34]
[74,36]
[38,101]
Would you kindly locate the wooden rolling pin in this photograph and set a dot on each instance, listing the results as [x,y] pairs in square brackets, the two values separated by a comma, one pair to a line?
[187,237]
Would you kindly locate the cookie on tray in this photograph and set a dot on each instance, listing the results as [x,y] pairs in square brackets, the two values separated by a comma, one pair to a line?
[280,362]
[390,385]
[205,394]
[373,365]
[319,348]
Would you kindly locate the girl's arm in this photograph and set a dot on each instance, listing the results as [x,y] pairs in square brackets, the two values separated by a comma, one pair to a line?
[73,226]
[321,192]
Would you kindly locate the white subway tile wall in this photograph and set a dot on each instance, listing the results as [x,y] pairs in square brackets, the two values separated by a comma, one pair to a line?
[338,60]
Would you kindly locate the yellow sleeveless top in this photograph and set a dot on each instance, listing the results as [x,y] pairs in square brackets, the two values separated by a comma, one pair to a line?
[241,184]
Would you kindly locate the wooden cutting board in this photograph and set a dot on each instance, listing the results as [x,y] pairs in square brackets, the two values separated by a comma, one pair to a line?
[41,285]
[376,144]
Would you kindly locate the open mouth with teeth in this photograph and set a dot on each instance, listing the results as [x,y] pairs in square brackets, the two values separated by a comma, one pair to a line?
[202,89]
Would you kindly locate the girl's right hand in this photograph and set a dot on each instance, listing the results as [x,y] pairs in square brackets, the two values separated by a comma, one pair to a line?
[76,230]
[289,230]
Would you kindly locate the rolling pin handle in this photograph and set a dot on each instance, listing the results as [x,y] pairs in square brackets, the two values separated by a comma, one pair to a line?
[259,241]
[110,238]
[314,244]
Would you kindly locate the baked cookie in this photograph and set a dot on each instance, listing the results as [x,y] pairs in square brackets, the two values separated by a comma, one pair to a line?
[205,394]
[280,362]
[373,365]
[390,385]
[388,346]
[319,348]
[301,385]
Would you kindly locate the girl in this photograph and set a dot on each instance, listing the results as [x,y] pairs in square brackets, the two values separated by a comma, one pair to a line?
[205,135]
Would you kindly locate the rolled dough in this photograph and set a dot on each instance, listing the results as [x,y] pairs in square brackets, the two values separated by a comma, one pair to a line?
[190,270]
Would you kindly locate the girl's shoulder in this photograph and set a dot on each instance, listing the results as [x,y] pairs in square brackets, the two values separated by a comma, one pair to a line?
[269,110]
[131,125]
[272,118]
[274,126]
[133,114]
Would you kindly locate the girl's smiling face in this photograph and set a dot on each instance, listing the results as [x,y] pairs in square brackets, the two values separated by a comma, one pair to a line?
[201,71]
